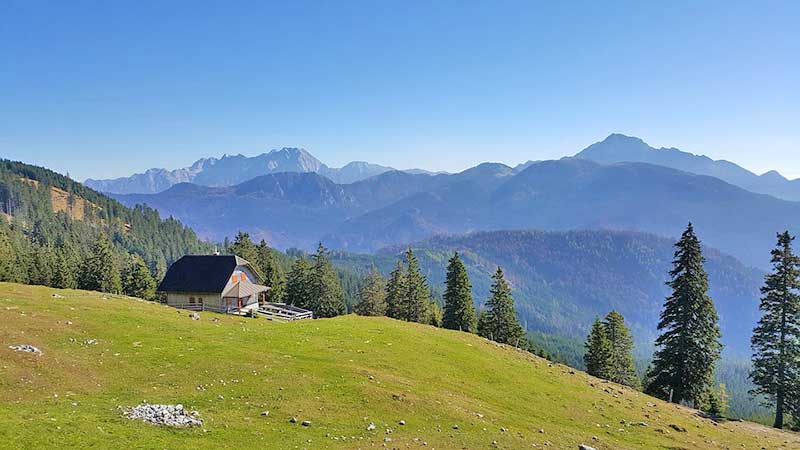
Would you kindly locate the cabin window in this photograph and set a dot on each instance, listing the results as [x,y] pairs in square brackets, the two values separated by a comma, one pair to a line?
[244,277]
[234,279]
[191,300]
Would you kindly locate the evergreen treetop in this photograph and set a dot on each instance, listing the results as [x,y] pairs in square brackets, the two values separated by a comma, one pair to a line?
[499,322]
[689,346]
[598,351]
[459,309]
[776,337]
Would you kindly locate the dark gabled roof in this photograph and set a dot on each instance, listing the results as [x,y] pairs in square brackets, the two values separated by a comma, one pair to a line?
[200,273]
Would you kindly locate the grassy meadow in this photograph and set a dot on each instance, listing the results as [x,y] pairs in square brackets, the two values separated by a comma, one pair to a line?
[451,389]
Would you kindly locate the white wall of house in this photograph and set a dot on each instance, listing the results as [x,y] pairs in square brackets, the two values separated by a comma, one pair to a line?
[186,298]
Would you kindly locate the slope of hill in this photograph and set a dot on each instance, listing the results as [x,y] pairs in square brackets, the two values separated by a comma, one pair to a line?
[451,390]
[620,148]
[563,280]
[235,169]
[42,212]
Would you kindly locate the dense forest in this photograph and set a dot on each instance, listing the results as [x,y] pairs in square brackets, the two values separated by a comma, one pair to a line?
[53,228]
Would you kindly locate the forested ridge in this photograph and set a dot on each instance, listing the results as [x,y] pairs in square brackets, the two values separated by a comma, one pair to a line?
[41,244]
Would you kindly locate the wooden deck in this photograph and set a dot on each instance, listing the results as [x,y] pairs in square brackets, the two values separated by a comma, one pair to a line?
[282,311]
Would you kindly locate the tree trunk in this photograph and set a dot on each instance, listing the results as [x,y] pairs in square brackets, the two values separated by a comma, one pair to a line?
[779,411]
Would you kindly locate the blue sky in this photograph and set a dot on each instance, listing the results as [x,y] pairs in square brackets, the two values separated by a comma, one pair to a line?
[105,89]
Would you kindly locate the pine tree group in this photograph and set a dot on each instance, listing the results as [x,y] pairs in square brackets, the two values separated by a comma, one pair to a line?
[499,321]
[407,293]
[100,271]
[689,347]
[459,310]
[609,351]
[776,338]
[137,280]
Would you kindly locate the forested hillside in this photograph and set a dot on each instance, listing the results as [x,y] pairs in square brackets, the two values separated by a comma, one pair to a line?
[52,227]
[563,280]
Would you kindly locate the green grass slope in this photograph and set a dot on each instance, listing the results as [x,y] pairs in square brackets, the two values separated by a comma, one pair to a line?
[340,374]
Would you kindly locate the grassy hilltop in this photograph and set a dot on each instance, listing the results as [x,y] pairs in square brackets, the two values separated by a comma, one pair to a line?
[453,390]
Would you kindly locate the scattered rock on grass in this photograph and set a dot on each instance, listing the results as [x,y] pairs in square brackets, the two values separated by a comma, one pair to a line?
[26,348]
[371,426]
[306,423]
[677,428]
[167,415]
[194,316]
[585,447]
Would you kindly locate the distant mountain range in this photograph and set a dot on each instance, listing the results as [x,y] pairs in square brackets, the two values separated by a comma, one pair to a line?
[232,170]
[300,209]
[620,148]
[563,280]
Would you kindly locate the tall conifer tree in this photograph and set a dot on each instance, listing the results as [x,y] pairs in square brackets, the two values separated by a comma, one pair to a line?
[271,271]
[416,301]
[499,322]
[372,295]
[598,351]
[620,362]
[395,292]
[244,247]
[327,296]
[688,347]
[459,309]
[776,338]
[298,285]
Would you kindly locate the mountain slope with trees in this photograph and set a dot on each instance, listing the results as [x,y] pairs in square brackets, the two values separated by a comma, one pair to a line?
[43,240]
[562,280]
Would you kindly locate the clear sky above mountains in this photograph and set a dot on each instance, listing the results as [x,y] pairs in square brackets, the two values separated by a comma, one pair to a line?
[105,89]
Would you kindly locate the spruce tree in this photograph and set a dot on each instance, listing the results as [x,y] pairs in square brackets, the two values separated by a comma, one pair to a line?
[65,275]
[372,295]
[100,271]
[7,257]
[598,351]
[776,337]
[459,310]
[620,367]
[688,347]
[271,271]
[244,247]
[499,322]
[327,296]
[138,281]
[395,291]
[436,314]
[298,285]
[416,298]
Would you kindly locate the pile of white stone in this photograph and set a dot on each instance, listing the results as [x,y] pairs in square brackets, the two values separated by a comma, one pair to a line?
[168,415]
[26,348]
